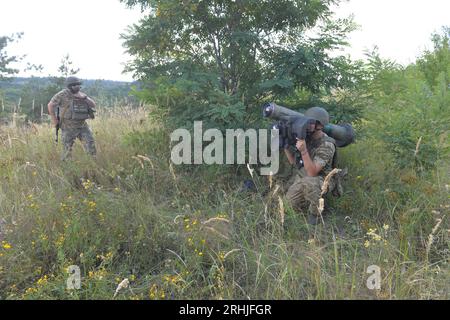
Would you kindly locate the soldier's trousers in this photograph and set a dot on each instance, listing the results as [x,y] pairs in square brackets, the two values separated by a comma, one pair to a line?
[304,193]
[84,134]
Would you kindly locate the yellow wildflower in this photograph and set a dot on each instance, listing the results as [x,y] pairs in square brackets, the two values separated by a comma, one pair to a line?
[59,242]
[87,184]
[30,291]
[221,255]
[42,281]
[6,245]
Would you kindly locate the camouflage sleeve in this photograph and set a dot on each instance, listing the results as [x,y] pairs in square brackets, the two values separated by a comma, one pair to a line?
[324,154]
[57,98]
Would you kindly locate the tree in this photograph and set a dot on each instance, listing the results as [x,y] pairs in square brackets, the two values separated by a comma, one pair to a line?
[220,55]
[66,68]
[5,60]
[433,63]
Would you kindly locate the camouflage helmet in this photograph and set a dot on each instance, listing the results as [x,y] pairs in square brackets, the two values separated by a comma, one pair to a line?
[71,81]
[318,114]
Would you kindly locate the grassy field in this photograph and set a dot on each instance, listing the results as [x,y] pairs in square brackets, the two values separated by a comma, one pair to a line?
[191,233]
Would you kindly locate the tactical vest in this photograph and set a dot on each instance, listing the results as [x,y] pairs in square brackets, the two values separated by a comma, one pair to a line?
[78,109]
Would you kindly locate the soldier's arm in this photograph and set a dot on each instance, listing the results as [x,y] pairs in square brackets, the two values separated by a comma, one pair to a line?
[312,168]
[92,106]
[290,156]
[90,102]
[51,111]
[323,155]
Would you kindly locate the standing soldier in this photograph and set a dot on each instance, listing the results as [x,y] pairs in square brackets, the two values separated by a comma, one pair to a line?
[74,107]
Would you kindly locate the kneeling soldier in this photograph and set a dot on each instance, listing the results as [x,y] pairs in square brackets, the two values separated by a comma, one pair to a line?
[317,153]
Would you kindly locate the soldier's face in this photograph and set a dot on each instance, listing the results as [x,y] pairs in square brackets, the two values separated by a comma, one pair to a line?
[75,89]
[313,129]
[319,126]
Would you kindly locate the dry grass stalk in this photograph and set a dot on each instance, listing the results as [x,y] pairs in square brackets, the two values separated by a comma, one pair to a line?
[175,221]
[326,182]
[270,181]
[417,147]
[281,210]
[431,236]
[139,160]
[172,171]
[146,159]
[123,285]
[216,219]
[230,252]
[217,232]
[325,186]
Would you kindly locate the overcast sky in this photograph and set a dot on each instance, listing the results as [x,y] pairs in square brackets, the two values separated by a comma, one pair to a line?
[89,30]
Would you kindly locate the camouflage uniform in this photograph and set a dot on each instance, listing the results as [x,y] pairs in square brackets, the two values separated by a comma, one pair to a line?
[72,127]
[304,191]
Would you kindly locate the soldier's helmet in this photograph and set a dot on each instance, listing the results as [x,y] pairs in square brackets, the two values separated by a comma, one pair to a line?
[72,81]
[318,114]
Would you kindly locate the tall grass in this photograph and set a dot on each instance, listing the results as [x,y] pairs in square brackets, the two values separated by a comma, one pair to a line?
[191,233]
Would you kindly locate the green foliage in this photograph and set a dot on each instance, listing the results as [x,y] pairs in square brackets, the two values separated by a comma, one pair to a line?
[192,233]
[5,60]
[191,55]
[66,68]
[406,107]
[433,63]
